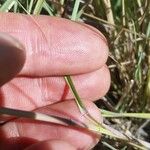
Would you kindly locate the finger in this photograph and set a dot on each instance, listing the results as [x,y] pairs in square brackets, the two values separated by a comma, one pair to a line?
[65,47]
[52,145]
[81,138]
[12,57]
[30,93]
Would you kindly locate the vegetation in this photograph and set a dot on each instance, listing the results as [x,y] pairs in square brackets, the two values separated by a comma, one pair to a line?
[126,25]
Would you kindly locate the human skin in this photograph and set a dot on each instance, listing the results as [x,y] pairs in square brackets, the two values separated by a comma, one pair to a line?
[53,47]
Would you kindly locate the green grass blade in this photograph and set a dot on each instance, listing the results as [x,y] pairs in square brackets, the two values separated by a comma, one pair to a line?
[75,93]
[62,2]
[109,146]
[48,8]
[110,114]
[15,7]
[38,7]
[75,10]
[30,6]
[7,5]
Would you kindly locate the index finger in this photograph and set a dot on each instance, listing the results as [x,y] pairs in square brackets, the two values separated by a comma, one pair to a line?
[56,46]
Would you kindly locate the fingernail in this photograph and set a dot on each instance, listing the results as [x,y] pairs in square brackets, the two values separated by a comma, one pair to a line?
[12,57]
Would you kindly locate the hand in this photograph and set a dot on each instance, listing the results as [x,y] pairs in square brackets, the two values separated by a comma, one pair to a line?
[65,48]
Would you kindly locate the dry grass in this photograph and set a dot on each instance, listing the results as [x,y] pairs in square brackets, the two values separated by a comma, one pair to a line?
[126,25]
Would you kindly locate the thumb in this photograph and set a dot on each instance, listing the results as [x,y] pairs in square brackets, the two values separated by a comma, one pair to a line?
[12,57]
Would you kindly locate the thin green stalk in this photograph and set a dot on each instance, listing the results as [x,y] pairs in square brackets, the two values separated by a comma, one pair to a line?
[7,5]
[109,146]
[110,114]
[30,6]
[79,102]
[38,7]
[62,2]
[15,7]
[123,13]
[48,8]
[75,10]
